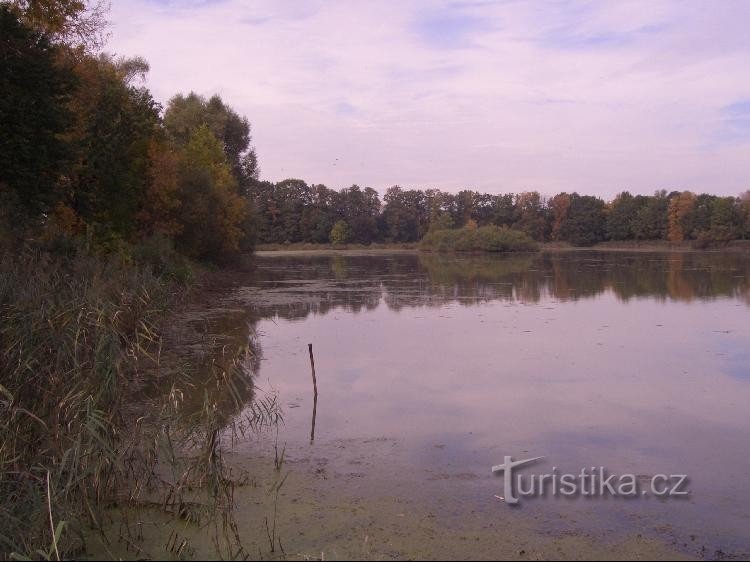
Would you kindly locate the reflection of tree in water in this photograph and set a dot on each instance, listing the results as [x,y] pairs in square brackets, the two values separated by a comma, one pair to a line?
[218,354]
[294,287]
[212,355]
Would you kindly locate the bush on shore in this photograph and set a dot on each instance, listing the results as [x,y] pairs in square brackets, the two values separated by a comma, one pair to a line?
[482,239]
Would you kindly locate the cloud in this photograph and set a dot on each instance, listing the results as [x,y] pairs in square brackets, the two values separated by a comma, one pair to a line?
[570,38]
[736,122]
[450,28]
[500,96]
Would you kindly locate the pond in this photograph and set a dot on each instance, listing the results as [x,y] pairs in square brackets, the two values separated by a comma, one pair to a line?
[432,369]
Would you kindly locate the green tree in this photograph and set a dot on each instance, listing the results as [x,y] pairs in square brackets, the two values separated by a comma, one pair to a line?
[360,208]
[745,211]
[211,211]
[115,122]
[340,233]
[437,205]
[34,114]
[726,219]
[530,215]
[622,216]
[186,113]
[585,223]
[650,223]
[404,215]
[503,210]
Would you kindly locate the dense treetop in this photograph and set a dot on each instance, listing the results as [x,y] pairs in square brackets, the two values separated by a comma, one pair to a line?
[293,211]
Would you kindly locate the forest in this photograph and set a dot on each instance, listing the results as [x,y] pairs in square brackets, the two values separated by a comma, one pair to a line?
[87,154]
[293,211]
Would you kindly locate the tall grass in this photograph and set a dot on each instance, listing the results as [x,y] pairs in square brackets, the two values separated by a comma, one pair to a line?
[83,426]
[482,239]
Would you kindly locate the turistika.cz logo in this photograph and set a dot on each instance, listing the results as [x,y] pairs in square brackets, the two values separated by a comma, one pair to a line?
[589,482]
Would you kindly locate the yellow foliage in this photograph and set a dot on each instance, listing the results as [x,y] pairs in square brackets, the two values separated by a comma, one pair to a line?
[158,214]
[64,220]
[213,209]
[680,208]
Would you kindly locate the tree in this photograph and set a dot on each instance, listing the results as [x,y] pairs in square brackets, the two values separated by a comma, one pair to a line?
[159,212]
[340,233]
[704,205]
[74,23]
[530,215]
[622,216]
[115,123]
[438,206]
[503,210]
[185,114]
[319,217]
[745,209]
[559,207]
[681,209]
[211,211]
[650,222]
[585,223]
[360,208]
[404,215]
[33,114]
[442,221]
[726,219]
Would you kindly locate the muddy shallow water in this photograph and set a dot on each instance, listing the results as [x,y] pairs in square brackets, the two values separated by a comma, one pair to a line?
[431,369]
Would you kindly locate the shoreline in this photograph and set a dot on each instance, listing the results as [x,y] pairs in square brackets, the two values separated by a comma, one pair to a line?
[735,246]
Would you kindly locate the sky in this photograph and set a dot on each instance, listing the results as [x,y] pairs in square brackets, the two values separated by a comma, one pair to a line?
[499,96]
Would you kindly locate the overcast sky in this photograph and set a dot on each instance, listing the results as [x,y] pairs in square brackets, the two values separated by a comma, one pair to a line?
[499,96]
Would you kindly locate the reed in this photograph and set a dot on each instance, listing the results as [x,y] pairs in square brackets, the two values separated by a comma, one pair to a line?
[90,418]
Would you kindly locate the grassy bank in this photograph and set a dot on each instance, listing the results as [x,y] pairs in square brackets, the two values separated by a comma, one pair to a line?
[308,246]
[611,246]
[483,239]
[651,246]
[89,415]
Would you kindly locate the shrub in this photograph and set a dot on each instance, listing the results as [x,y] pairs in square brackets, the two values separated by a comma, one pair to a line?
[482,239]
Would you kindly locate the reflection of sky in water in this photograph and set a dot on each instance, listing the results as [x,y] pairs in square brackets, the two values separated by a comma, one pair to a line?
[635,363]
[735,356]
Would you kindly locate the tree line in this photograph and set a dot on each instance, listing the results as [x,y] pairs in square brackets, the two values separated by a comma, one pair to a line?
[87,152]
[292,211]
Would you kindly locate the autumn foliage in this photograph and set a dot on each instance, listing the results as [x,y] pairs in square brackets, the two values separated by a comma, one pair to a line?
[89,153]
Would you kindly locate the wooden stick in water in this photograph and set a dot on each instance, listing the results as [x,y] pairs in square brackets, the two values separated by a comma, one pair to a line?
[315,396]
[312,366]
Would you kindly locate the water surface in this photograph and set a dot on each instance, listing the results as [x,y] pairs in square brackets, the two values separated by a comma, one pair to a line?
[432,368]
